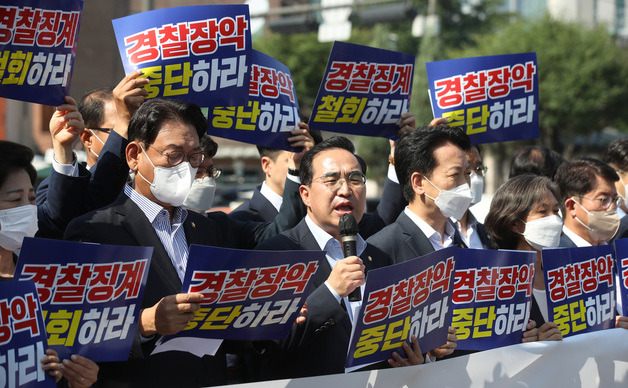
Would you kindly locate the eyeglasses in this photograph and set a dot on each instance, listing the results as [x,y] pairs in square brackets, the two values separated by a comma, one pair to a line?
[102,129]
[213,173]
[480,170]
[606,202]
[334,181]
[176,157]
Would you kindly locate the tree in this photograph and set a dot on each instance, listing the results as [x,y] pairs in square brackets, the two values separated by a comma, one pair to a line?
[583,76]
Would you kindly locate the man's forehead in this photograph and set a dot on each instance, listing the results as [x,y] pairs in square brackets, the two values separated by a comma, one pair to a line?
[449,155]
[335,159]
[603,186]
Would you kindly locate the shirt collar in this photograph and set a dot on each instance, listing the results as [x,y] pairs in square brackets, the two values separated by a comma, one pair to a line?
[427,229]
[152,209]
[579,241]
[274,198]
[323,239]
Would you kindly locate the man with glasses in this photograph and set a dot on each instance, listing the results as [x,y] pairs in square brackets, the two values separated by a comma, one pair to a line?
[590,198]
[470,230]
[332,184]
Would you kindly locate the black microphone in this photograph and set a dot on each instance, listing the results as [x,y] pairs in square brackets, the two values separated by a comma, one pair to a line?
[348,228]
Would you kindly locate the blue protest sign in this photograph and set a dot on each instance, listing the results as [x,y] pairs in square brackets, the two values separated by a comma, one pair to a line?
[22,337]
[199,54]
[493,98]
[621,253]
[364,91]
[38,41]
[252,295]
[271,113]
[90,294]
[579,288]
[402,300]
[491,297]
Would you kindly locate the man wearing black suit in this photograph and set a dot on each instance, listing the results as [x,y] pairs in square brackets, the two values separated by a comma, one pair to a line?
[164,153]
[332,184]
[434,175]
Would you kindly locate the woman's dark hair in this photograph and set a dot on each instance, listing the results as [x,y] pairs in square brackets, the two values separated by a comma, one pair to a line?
[514,201]
[15,157]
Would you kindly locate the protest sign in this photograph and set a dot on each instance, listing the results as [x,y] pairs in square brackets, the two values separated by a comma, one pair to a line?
[22,337]
[621,253]
[199,54]
[493,98]
[271,113]
[250,295]
[38,40]
[90,294]
[364,91]
[402,300]
[579,288]
[491,297]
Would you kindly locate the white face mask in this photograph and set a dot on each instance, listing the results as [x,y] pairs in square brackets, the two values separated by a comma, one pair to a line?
[477,186]
[453,203]
[97,138]
[201,195]
[15,224]
[171,184]
[603,224]
[543,232]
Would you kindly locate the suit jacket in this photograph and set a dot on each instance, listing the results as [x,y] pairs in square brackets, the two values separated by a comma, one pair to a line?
[565,242]
[622,232]
[124,223]
[318,346]
[403,240]
[106,178]
[258,208]
[483,234]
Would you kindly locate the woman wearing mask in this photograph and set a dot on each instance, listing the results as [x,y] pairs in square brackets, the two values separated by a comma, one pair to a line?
[524,216]
[19,217]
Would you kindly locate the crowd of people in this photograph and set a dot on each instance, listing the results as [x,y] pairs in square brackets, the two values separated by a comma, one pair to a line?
[149,180]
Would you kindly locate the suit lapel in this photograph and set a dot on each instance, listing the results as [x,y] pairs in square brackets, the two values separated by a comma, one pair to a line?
[262,205]
[137,225]
[415,239]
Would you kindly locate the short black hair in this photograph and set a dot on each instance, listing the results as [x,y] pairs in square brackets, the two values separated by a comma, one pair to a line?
[515,200]
[92,106]
[272,153]
[15,157]
[578,176]
[306,171]
[617,153]
[415,152]
[209,146]
[538,160]
[152,114]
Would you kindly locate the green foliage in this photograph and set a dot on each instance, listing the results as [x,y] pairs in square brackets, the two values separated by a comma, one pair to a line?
[583,76]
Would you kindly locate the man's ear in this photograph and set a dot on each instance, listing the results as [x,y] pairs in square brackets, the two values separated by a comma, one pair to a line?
[417,183]
[132,153]
[266,164]
[86,138]
[305,195]
[570,207]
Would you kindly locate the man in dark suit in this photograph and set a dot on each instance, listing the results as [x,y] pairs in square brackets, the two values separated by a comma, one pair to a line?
[587,186]
[332,184]
[164,153]
[434,175]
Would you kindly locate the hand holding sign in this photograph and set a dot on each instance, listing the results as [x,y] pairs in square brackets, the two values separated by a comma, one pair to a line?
[170,315]
[66,124]
[79,371]
[414,355]
[300,138]
[448,348]
[128,95]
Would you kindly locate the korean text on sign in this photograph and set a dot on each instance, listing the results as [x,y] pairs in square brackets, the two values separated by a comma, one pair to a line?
[621,288]
[580,288]
[271,112]
[247,294]
[37,45]
[491,98]
[22,337]
[202,54]
[397,306]
[90,297]
[364,91]
[491,297]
